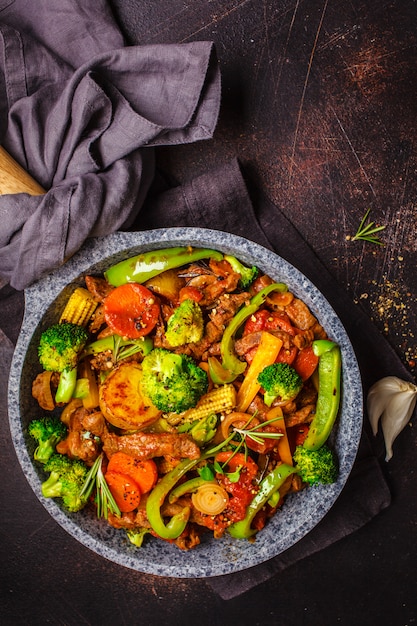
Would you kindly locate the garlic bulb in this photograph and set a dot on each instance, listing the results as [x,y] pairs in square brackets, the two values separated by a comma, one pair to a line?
[392,401]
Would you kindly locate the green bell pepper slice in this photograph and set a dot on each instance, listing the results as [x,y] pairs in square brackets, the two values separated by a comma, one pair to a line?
[156,498]
[188,487]
[218,374]
[142,267]
[121,348]
[328,400]
[202,430]
[178,522]
[231,365]
[269,486]
[320,346]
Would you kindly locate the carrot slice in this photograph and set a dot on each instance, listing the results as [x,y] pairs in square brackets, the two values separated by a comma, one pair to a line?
[124,490]
[131,310]
[144,473]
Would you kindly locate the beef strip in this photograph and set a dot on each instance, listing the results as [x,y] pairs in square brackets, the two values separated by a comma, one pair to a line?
[97,320]
[98,287]
[80,443]
[149,445]
[304,339]
[300,315]
[251,340]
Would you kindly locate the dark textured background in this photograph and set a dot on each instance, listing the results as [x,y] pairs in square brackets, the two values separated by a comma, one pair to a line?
[319,104]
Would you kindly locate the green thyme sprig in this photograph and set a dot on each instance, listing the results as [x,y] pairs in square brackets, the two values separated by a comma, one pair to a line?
[367,231]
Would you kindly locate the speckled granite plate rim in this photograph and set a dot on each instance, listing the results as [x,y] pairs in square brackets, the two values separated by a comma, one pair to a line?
[301,513]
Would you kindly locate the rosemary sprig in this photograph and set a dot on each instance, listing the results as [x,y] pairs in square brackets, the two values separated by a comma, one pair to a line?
[367,231]
[257,436]
[104,500]
[253,433]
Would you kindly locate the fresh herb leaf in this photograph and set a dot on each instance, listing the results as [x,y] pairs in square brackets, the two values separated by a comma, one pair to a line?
[218,468]
[367,231]
[206,472]
[234,476]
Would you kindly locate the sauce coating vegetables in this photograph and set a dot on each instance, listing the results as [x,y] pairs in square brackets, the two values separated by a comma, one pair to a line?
[225,462]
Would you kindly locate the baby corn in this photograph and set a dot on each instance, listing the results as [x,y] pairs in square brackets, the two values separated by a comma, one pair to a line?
[215,401]
[79,308]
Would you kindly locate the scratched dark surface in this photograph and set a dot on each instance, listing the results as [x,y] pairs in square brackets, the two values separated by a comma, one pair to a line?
[319,104]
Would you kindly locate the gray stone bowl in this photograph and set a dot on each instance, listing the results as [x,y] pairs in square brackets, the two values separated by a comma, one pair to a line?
[301,512]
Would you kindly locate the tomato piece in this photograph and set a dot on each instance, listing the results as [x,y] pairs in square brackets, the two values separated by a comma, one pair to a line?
[256,322]
[144,473]
[305,362]
[233,461]
[234,512]
[287,355]
[242,496]
[299,434]
[276,321]
[268,320]
[124,490]
[242,491]
[131,310]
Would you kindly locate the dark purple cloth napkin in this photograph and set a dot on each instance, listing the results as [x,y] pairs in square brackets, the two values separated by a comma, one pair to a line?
[83,118]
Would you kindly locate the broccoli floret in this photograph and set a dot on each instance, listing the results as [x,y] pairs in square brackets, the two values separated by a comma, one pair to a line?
[60,345]
[47,432]
[66,478]
[136,536]
[186,324]
[316,466]
[173,382]
[58,351]
[247,274]
[279,380]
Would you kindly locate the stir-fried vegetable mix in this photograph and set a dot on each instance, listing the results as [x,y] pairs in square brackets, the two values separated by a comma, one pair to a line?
[195,395]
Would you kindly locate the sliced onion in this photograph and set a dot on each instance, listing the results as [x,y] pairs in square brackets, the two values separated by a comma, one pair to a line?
[237,417]
[210,499]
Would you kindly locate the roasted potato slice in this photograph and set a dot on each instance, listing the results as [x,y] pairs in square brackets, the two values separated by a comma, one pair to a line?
[121,401]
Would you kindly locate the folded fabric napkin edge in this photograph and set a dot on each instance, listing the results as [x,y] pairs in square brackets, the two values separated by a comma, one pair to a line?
[90,143]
